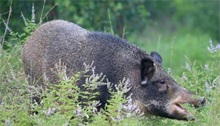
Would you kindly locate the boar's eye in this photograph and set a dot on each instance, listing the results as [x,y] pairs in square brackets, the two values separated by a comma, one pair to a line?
[162,82]
[162,86]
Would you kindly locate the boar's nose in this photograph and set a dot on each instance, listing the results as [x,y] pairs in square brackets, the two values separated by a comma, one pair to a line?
[200,102]
[203,102]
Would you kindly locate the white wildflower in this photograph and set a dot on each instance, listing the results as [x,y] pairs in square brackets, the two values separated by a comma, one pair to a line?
[208,87]
[132,108]
[213,48]
[50,111]
[206,67]
[8,123]
[188,66]
[79,113]
[184,77]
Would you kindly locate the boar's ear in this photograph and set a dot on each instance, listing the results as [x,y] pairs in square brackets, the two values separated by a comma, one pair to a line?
[156,56]
[147,70]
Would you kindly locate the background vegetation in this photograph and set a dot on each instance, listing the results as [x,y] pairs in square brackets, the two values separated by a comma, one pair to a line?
[180,30]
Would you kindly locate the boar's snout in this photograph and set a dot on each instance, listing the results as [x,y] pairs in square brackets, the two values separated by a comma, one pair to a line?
[200,102]
[184,96]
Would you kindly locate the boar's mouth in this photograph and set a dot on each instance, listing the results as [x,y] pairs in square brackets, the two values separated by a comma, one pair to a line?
[181,113]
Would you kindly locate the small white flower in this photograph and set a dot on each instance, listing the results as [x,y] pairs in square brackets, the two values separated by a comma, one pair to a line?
[184,77]
[188,67]
[206,67]
[208,87]
[50,111]
[8,123]
[213,48]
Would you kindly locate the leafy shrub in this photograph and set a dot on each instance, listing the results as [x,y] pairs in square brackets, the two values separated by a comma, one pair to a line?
[116,15]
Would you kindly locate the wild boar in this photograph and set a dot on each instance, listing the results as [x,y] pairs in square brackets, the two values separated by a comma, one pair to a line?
[153,89]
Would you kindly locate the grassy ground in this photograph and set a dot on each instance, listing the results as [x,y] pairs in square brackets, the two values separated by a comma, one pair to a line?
[179,51]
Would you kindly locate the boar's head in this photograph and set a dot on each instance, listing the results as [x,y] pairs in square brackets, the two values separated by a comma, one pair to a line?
[159,94]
